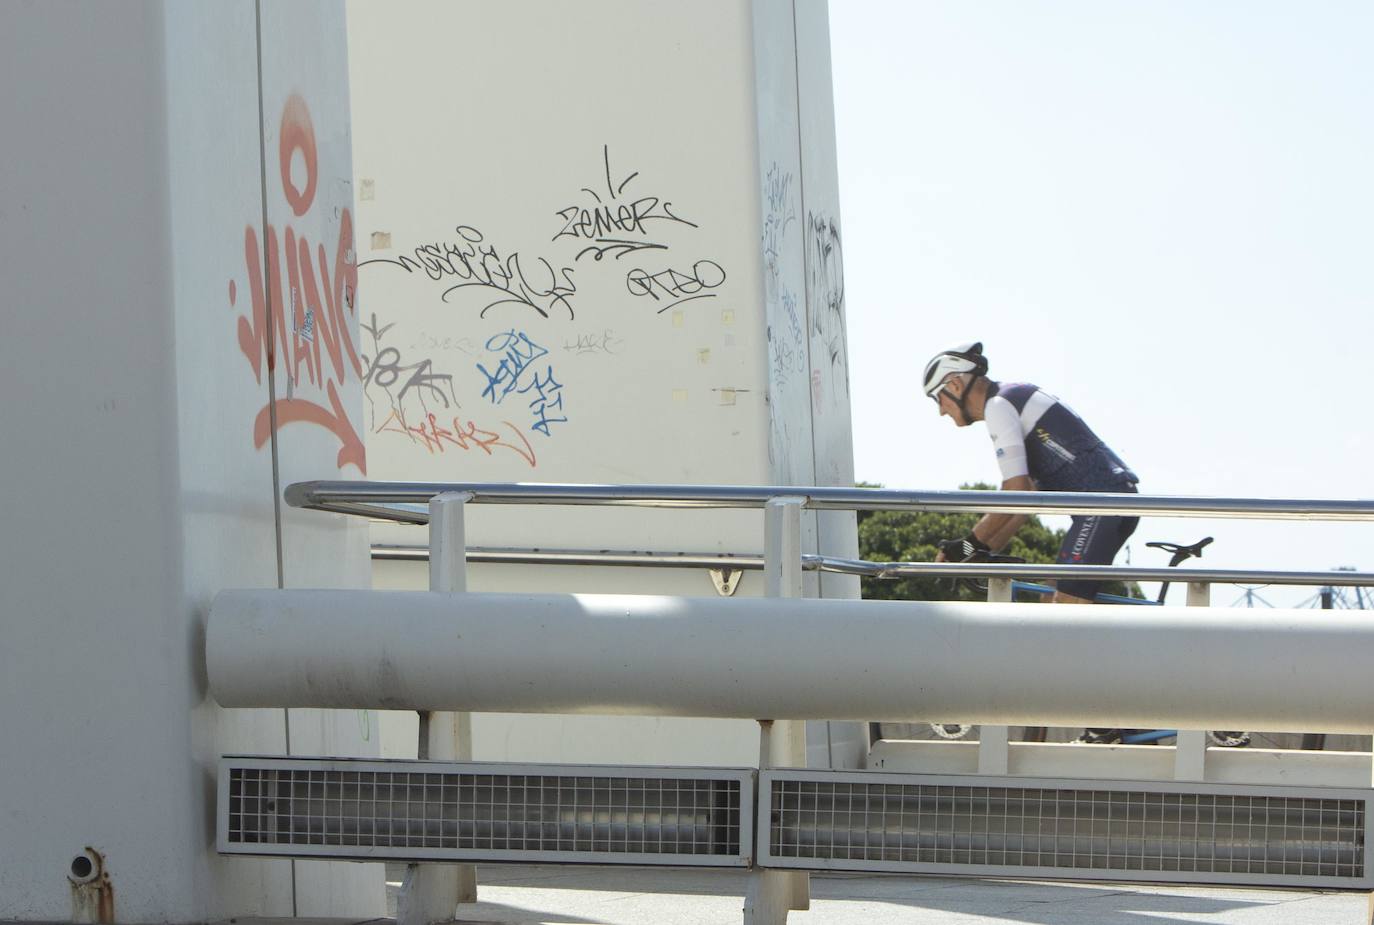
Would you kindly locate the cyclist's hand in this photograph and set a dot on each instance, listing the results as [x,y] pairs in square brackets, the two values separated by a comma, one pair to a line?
[968,549]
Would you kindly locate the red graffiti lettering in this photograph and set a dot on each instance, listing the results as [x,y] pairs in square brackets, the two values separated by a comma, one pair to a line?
[316,347]
[298,134]
[437,438]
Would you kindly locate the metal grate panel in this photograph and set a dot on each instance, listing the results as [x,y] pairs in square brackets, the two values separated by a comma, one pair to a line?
[441,810]
[1122,830]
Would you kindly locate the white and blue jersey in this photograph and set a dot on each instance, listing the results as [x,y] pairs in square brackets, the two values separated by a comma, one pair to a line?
[1036,434]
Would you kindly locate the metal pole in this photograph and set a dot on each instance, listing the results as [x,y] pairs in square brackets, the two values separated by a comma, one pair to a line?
[751,658]
[994,752]
[431,892]
[773,892]
[1190,747]
[1316,741]
[374,499]
[769,894]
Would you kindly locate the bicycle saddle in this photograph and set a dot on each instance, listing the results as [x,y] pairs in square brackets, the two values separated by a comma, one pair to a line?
[1181,552]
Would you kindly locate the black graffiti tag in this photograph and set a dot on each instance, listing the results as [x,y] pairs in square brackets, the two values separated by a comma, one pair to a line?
[673,287]
[616,225]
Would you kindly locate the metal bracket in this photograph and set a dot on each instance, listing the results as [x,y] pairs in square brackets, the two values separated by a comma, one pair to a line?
[726,580]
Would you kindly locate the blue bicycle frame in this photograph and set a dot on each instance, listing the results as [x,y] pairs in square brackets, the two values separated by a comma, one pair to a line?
[1146,736]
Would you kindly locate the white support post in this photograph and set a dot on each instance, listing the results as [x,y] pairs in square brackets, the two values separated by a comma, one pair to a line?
[773,892]
[431,892]
[1190,748]
[994,750]
[770,892]
[782,577]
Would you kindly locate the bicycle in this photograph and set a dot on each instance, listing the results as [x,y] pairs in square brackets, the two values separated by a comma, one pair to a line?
[1179,553]
[951,549]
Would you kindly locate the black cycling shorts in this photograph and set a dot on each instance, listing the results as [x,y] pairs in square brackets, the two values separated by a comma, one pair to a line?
[1093,539]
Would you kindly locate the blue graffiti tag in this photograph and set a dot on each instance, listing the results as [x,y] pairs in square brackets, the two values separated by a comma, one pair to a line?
[515,373]
[548,394]
[519,352]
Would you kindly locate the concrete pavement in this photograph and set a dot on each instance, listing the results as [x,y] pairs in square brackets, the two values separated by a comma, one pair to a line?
[516,895]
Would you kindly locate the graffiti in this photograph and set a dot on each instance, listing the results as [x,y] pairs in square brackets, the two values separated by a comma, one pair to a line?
[787,345]
[416,391]
[778,215]
[437,438]
[548,396]
[316,348]
[615,225]
[487,278]
[518,354]
[794,325]
[386,371]
[679,287]
[781,357]
[825,284]
[605,342]
[426,341]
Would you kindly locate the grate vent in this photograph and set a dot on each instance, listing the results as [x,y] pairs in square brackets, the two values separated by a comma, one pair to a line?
[1078,829]
[477,811]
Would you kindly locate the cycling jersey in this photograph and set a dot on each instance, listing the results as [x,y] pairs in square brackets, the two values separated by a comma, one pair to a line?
[1036,434]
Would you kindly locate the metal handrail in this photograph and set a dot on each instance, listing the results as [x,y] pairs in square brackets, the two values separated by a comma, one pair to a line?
[863,567]
[403,501]
[612,557]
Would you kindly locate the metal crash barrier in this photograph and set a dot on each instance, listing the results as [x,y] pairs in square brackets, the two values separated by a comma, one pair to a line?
[806,820]
[448,650]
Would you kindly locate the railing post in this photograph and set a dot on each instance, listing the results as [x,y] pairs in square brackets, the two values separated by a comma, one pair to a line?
[431,892]
[994,750]
[1190,747]
[773,892]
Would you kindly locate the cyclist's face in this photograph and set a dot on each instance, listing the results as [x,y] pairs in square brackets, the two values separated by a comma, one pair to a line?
[948,400]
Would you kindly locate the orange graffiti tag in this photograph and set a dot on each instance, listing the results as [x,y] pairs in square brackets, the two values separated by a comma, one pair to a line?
[321,306]
[437,438]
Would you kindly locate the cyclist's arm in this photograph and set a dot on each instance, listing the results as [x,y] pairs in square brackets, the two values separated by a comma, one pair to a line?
[1009,442]
[997,529]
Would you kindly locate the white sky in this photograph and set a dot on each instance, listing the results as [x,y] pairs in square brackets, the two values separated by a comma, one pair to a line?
[1161,212]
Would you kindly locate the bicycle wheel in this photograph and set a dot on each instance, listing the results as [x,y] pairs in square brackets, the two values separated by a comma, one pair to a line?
[1229,739]
[950,730]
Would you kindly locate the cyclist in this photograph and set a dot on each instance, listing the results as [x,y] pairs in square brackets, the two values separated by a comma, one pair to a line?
[1041,445]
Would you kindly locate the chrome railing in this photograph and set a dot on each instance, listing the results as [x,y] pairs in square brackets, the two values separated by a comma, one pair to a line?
[508,555]
[406,502]
[401,501]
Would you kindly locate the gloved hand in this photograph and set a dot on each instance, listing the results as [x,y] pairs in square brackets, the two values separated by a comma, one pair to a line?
[968,549]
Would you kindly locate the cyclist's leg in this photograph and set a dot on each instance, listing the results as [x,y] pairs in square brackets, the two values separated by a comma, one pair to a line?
[1092,540]
[1077,542]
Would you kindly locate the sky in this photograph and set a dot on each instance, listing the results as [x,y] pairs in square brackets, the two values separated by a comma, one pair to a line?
[1162,213]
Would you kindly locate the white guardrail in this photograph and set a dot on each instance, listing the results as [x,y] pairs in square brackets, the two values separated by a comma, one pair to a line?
[994,663]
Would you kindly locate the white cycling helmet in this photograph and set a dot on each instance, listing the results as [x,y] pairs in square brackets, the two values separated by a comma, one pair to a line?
[966,358]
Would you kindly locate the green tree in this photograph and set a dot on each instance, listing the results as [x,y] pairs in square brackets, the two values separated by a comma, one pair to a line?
[903,536]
